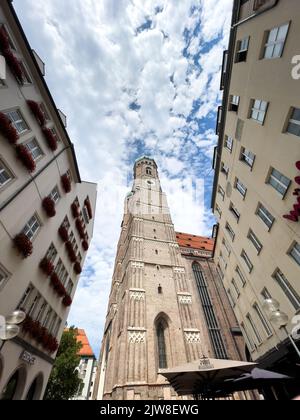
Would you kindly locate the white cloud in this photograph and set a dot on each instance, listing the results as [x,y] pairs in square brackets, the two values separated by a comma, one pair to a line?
[98,65]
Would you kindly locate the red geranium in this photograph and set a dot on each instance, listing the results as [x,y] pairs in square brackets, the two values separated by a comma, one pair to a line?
[7,129]
[25,157]
[80,228]
[63,233]
[89,207]
[23,244]
[14,64]
[4,42]
[27,324]
[71,252]
[52,344]
[46,266]
[49,206]
[66,183]
[77,268]
[75,210]
[67,301]
[51,139]
[85,245]
[37,112]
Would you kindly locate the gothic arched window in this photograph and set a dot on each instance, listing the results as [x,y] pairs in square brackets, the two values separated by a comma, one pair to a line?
[161,342]
[148,171]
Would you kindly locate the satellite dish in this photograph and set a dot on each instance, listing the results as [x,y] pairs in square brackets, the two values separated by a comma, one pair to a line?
[228,190]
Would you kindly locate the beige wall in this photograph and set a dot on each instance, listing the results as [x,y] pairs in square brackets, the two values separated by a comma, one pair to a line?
[271,81]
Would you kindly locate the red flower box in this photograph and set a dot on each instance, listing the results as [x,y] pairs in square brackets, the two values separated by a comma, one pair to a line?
[52,344]
[46,266]
[27,324]
[77,268]
[66,183]
[89,208]
[63,233]
[80,228]
[297,180]
[67,301]
[75,210]
[7,129]
[14,64]
[298,165]
[4,42]
[25,157]
[71,252]
[50,138]
[55,280]
[37,112]
[49,206]
[23,244]
[85,245]
[57,285]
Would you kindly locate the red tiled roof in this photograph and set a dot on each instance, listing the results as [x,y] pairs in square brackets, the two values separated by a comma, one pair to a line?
[186,240]
[86,349]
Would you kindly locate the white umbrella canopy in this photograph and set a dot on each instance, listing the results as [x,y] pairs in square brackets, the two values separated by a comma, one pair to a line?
[202,375]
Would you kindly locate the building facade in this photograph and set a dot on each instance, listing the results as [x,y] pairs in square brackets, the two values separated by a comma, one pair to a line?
[155,319]
[87,368]
[46,216]
[256,189]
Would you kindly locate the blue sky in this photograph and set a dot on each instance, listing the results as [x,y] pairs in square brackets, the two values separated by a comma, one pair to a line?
[133,77]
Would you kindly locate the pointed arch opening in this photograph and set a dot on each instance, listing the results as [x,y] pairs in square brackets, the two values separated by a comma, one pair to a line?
[162,339]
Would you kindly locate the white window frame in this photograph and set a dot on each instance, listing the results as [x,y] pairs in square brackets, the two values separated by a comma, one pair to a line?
[295,253]
[4,277]
[219,211]
[275,42]
[25,297]
[258,110]
[33,147]
[236,289]
[5,170]
[51,253]
[263,320]
[241,276]
[241,188]
[27,80]
[265,215]
[234,101]
[234,211]
[55,194]
[225,169]
[277,183]
[18,121]
[229,143]
[247,261]
[32,227]
[255,241]
[247,157]
[287,289]
[293,121]
[230,298]
[248,339]
[10,39]
[221,192]
[226,246]
[242,47]
[230,231]
[257,335]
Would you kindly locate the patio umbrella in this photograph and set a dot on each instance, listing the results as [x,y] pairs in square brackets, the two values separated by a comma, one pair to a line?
[200,377]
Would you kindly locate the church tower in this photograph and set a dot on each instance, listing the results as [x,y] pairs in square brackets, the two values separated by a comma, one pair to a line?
[152,320]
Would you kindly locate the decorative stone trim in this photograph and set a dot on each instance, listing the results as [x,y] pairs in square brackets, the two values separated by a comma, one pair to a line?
[185,299]
[192,337]
[137,295]
[179,270]
[136,336]
[137,265]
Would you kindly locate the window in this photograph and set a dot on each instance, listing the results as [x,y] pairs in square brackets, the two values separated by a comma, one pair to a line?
[4,277]
[230,297]
[240,187]
[226,246]
[34,148]
[85,215]
[225,169]
[265,216]
[235,211]
[254,329]
[223,262]
[229,143]
[241,276]
[291,294]
[47,318]
[10,41]
[265,294]
[148,171]
[17,121]
[51,253]
[295,253]
[34,305]
[44,111]
[247,157]
[5,175]
[218,210]
[258,110]
[253,239]
[242,50]
[247,261]
[41,310]
[25,298]
[294,122]
[55,195]
[234,102]
[162,357]
[279,182]
[70,286]
[236,289]
[275,41]
[230,231]
[221,192]
[66,223]
[263,320]
[209,313]
[54,132]
[247,337]
[26,78]
[32,227]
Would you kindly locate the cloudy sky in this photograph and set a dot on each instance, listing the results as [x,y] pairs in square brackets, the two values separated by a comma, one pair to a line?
[134,77]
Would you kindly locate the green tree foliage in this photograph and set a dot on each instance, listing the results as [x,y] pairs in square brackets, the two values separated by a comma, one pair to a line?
[64,382]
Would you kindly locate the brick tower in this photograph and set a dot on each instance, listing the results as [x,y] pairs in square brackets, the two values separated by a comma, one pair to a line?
[152,321]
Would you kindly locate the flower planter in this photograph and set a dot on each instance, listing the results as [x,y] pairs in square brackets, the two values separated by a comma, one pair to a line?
[75,210]
[80,228]
[37,112]
[4,42]
[89,208]
[14,64]
[298,165]
[71,252]
[67,301]
[49,206]
[23,244]
[46,266]
[7,129]
[57,285]
[297,180]
[77,268]
[40,334]
[25,157]
[85,245]
[63,233]
[66,183]
[50,138]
